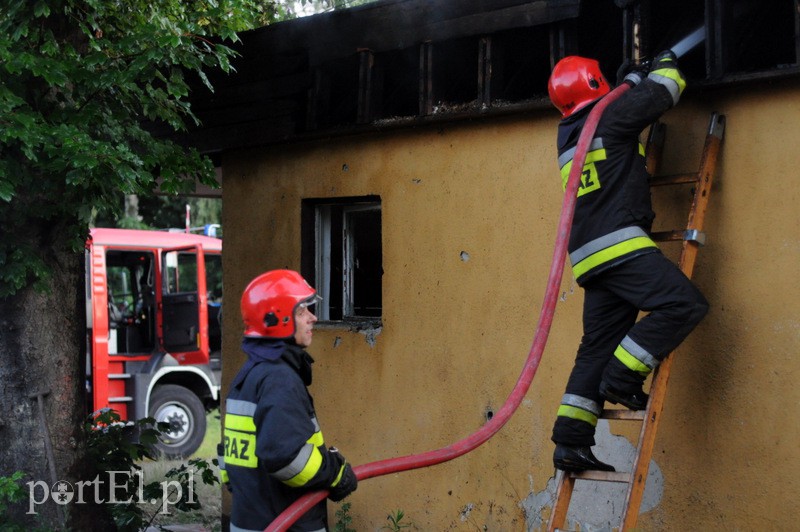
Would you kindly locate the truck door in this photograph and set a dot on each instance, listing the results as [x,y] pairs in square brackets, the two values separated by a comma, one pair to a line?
[184,319]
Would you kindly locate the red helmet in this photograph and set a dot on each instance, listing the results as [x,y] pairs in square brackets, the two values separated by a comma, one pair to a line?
[269,302]
[575,83]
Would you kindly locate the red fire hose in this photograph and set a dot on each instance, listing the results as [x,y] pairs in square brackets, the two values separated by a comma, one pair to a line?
[416,461]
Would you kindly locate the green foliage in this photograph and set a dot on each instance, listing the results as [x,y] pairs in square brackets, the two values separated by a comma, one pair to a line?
[343,519]
[396,522]
[83,86]
[10,492]
[112,449]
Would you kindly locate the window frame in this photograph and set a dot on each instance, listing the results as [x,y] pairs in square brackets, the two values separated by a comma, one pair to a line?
[319,261]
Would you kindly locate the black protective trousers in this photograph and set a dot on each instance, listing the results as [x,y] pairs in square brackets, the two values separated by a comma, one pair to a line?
[612,301]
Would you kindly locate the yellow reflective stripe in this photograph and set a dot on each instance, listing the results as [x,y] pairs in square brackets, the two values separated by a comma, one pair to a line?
[223,475]
[240,423]
[240,448]
[671,73]
[610,253]
[339,476]
[641,149]
[317,439]
[631,362]
[589,178]
[310,469]
[577,413]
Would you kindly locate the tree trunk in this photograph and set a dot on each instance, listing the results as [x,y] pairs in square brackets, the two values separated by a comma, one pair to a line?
[42,358]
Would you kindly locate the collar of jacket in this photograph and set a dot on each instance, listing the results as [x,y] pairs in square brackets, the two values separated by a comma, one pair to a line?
[265,350]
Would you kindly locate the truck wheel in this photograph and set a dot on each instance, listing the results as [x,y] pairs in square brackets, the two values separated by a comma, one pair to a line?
[184,413]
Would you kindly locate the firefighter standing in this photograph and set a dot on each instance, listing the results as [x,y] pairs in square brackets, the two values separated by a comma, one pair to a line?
[273,449]
[619,267]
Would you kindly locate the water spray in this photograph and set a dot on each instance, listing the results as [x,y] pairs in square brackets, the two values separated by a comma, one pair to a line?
[689,42]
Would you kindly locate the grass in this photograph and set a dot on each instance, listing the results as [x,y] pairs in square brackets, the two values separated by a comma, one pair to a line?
[209,517]
[208,449]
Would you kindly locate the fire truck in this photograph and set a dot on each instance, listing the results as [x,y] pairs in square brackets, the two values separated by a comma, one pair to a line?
[153,314]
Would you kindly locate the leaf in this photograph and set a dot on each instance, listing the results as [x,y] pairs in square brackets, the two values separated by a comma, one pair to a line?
[41,9]
[6,190]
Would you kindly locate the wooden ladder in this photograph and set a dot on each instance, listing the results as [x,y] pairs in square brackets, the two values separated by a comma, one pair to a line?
[692,238]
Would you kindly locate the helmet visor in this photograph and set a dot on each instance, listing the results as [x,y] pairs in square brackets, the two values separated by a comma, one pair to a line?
[310,302]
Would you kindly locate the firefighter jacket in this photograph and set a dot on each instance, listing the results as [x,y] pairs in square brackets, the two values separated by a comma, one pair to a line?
[273,450]
[613,213]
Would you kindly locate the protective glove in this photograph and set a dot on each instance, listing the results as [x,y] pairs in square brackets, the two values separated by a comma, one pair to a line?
[346,481]
[632,72]
[665,59]
[666,72]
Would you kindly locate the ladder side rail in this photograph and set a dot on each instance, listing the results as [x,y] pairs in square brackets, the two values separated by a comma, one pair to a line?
[697,213]
[565,484]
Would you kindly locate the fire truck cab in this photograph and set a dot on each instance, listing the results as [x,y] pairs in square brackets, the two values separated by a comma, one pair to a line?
[153,314]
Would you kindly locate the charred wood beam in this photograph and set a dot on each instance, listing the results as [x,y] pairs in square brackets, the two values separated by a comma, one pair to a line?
[485,71]
[425,78]
[366,60]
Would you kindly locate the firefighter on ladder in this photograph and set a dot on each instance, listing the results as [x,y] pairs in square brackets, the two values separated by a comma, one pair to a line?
[613,259]
[273,451]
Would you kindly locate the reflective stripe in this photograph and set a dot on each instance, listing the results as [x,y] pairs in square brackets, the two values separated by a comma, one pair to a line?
[635,357]
[607,248]
[317,439]
[671,79]
[579,408]
[240,448]
[242,408]
[590,178]
[239,423]
[239,436]
[581,402]
[303,468]
[566,157]
[580,414]
[339,476]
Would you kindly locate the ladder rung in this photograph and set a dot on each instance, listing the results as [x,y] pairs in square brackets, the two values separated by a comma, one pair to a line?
[667,236]
[677,235]
[625,415]
[603,476]
[675,179]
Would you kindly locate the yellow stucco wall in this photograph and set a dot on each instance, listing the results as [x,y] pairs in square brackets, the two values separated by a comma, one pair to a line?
[456,333]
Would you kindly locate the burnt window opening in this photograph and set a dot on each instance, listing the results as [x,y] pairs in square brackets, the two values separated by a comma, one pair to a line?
[455,74]
[517,61]
[396,81]
[743,38]
[336,93]
[750,36]
[342,254]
